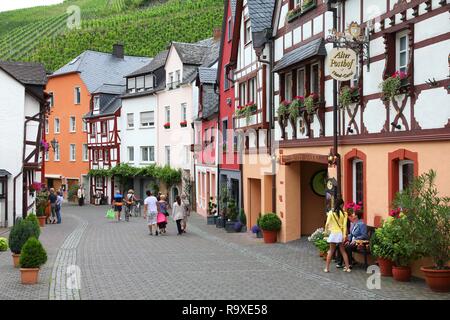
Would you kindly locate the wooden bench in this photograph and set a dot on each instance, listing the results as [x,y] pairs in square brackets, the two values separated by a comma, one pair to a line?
[363,246]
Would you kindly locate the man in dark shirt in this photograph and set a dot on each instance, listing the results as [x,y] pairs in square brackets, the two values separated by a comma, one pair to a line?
[52,198]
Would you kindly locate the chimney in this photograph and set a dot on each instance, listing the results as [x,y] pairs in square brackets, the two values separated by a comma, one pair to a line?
[217,33]
[118,51]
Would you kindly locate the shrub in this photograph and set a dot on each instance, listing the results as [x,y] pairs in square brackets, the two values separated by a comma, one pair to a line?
[3,244]
[380,244]
[242,217]
[322,245]
[232,212]
[34,220]
[33,254]
[20,233]
[270,222]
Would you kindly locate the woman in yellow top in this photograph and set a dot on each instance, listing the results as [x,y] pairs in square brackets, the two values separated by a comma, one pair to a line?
[336,226]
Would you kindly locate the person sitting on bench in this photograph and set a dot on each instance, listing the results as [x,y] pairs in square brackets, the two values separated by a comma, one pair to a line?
[358,231]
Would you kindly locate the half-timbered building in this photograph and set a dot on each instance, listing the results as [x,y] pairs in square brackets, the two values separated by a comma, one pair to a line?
[23,108]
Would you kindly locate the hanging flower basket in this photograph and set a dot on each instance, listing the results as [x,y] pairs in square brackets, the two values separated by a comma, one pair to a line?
[392,86]
[44,145]
[310,103]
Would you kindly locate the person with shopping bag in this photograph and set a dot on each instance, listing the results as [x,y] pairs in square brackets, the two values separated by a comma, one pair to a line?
[163,213]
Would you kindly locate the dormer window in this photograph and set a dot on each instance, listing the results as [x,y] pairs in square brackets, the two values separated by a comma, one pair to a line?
[140,84]
[96,105]
[170,80]
[131,85]
[248,32]
[149,81]
[178,77]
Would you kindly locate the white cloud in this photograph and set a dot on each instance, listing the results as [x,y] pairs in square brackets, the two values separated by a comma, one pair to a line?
[6,5]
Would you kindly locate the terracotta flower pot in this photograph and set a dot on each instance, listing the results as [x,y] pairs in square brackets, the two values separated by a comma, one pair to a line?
[270,236]
[402,274]
[29,276]
[385,267]
[16,258]
[41,221]
[437,280]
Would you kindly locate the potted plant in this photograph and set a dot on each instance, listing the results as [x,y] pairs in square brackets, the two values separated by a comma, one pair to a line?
[430,215]
[232,215]
[381,248]
[35,223]
[310,103]
[167,125]
[391,86]
[3,244]
[270,224]
[33,256]
[283,115]
[257,231]
[348,96]
[294,110]
[19,234]
[323,246]
[212,210]
[243,220]
[183,123]
[317,235]
[35,187]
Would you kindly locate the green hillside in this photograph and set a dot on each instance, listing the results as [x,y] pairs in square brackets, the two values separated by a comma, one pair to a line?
[145,27]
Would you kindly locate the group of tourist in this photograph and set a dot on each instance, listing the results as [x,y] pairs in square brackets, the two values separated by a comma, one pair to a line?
[342,237]
[55,200]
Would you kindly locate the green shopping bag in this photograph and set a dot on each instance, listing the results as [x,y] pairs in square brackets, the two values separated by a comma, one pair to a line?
[110,214]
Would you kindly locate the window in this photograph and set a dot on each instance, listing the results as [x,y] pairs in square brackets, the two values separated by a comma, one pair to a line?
[148,154]
[149,81]
[100,154]
[130,154]
[85,152]
[107,158]
[405,173]
[205,136]
[354,81]
[315,79]
[96,104]
[226,82]
[183,112]
[171,80]
[51,99]
[57,155]
[99,182]
[130,120]
[402,51]
[72,124]
[46,126]
[77,95]
[167,149]
[224,132]
[288,87]
[167,114]
[178,77]
[147,119]
[104,128]
[95,152]
[242,94]
[358,181]
[248,32]
[47,155]
[57,129]
[72,152]
[230,33]
[93,128]
[252,90]
[85,126]
[131,85]
[294,4]
[140,84]
[301,82]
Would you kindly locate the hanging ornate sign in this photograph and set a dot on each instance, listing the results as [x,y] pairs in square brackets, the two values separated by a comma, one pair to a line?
[342,64]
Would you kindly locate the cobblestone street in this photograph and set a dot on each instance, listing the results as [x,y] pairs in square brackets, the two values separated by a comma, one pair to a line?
[121,261]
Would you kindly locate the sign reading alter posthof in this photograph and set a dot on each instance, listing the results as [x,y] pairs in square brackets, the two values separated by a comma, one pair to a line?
[342,64]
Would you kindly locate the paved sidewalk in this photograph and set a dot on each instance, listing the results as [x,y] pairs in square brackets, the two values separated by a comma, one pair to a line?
[119,260]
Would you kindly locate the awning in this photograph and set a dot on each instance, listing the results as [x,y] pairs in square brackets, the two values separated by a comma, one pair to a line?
[4,173]
[53,176]
[311,49]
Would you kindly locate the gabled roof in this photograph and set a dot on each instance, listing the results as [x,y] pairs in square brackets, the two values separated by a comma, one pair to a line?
[4,173]
[191,53]
[311,49]
[98,68]
[158,62]
[25,72]
[207,75]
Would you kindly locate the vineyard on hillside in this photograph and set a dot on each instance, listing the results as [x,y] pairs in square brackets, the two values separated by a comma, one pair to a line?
[144,27]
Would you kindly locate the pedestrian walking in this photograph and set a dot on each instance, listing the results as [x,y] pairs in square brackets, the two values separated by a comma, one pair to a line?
[118,204]
[336,226]
[163,213]
[151,212]
[130,201]
[52,198]
[177,214]
[186,211]
[81,194]
[59,201]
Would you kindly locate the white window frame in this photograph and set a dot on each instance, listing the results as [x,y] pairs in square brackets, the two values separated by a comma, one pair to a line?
[130,151]
[167,114]
[150,154]
[354,162]
[152,81]
[96,104]
[167,155]
[85,152]
[77,95]
[99,182]
[73,124]
[247,31]
[398,51]
[57,125]
[47,156]
[46,126]
[140,86]
[311,86]
[131,89]
[85,125]
[184,112]
[288,86]
[130,126]
[301,86]
[57,153]
[72,152]
[178,77]
[51,99]
[147,124]
[401,163]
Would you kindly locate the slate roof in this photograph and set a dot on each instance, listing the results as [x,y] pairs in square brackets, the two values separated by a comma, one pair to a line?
[98,68]
[313,48]
[233,8]
[109,104]
[111,89]
[210,101]
[25,72]
[4,173]
[207,75]
[261,12]
[158,61]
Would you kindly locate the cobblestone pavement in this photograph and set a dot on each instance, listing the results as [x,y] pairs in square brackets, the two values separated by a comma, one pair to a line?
[121,261]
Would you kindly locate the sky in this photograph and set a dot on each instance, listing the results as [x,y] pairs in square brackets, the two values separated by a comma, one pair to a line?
[6,5]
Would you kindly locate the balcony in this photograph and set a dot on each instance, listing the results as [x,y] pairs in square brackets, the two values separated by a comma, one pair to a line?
[173,85]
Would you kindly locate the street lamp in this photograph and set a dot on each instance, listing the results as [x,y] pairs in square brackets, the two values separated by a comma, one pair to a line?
[54,143]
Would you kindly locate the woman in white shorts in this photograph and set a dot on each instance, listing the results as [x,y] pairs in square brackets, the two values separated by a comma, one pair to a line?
[336,225]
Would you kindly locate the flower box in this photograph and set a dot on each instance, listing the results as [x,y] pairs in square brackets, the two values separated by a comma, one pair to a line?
[167,125]
[183,124]
[301,10]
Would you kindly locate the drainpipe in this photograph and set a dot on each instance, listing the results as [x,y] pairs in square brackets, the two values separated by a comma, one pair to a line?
[14,195]
[335,111]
